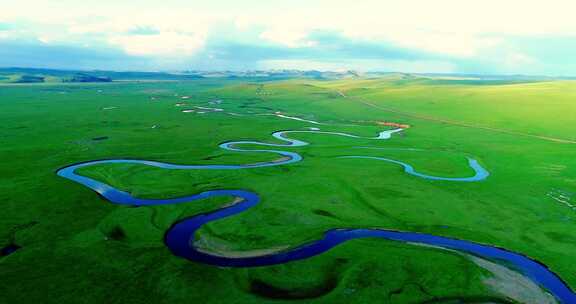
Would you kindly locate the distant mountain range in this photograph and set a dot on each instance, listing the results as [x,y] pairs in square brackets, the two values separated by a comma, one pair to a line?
[38,75]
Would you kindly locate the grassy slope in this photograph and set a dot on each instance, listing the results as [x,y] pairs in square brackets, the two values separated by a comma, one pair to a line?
[83,246]
[542,108]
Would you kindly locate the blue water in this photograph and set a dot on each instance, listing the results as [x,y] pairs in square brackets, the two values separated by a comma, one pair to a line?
[479,172]
[180,237]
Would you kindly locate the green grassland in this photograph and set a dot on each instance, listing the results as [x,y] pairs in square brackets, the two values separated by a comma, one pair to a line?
[78,248]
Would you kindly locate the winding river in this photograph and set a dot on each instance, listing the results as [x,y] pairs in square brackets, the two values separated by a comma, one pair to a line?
[180,237]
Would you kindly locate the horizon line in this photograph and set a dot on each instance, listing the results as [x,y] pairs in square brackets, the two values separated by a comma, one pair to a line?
[191,71]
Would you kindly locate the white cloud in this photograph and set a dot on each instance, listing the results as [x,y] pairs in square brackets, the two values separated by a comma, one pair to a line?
[459,45]
[44,39]
[517,59]
[287,37]
[16,34]
[372,16]
[459,29]
[96,27]
[162,44]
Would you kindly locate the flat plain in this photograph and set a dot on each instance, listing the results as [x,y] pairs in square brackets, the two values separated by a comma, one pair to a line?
[62,242]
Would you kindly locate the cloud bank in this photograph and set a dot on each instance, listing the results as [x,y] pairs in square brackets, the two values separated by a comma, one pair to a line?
[511,37]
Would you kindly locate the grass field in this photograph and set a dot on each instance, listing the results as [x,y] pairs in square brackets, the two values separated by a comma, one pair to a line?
[78,248]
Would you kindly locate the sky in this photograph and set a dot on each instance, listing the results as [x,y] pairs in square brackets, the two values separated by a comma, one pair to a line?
[441,36]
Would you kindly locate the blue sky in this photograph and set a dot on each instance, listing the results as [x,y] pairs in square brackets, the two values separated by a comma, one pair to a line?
[449,36]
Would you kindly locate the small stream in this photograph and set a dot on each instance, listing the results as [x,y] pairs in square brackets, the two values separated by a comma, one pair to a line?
[180,237]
